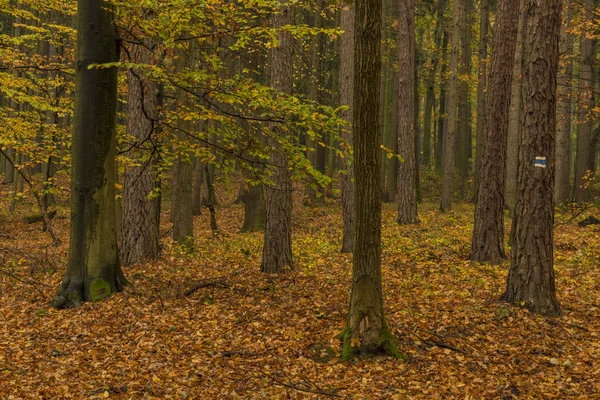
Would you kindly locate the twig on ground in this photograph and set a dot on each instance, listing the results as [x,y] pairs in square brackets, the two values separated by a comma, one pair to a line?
[438,344]
[220,282]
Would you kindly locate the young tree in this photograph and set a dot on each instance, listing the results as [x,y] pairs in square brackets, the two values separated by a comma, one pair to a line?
[277,250]
[93,270]
[530,280]
[407,190]
[488,232]
[449,137]
[346,98]
[586,104]
[366,328]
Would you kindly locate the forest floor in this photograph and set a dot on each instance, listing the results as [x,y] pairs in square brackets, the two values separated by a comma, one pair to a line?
[274,337]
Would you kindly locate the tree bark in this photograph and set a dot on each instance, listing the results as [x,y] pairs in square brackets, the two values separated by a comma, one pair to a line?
[407,190]
[586,104]
[446,203]
[442,123]
[530,280]
[277,250]
[488,232]
[93,269]
[346,96]
[515,117]
[562,191]
[463,135]
[139,225]
[366,329]
[484,19]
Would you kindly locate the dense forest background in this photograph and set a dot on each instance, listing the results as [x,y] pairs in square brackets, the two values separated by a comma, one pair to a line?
[308,199]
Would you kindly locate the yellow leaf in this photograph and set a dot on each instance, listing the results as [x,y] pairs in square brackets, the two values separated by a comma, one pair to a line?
[355,342]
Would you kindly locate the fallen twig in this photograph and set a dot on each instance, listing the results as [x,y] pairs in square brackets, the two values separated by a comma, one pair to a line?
[220,282]
[438,344]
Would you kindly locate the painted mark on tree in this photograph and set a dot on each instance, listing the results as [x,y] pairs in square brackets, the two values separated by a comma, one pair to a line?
[540,162]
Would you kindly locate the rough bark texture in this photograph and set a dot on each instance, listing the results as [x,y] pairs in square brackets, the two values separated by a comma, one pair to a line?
[407,190]
[484,19]
[562,192]
[93,269]
[277,250]
[463,132]
[586,104]
[446,203]
[139,224]
[530,280]
[182,202]
[346,95]
[254,208]
[488,233]
[366,330]
[514,119]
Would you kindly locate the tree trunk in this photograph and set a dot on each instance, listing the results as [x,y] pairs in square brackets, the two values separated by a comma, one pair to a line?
[488,233]
[446,203]
[481,92]
[530,280]
[562,192]
[407,191]
[198,180]
[586,104]
[254,208]
[277,250]
[139,227]
[514,119]
[442,125]
[346,96]
[366,328]
[93,269]
[463,138]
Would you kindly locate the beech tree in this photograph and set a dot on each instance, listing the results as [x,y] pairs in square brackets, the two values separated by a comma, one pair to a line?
[530,280]
[93,269]
[366,329]
[488,231]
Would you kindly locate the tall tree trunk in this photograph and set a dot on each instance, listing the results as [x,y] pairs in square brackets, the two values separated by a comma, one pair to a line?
[530,280]
[407,190]
[446,203]
[484,19]
[346,96]
[277,250]
[563,112]
[488,232]
[366,328]
[463,138]
[442,125]
[586,104]
[139,227]
[515,117]
[93,269]
[198,180]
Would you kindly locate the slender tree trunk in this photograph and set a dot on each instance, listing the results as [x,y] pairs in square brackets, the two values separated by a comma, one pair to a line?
[198,180]
[586,104]
[488,232]
[481,92]
[446,203]
[346,96]
[366,328]
[210,199]
[514,119]
[463,134]
[93,270]
[277,250]
[530,280]
[563,110]
[442,126]
[139,227]
[407,191]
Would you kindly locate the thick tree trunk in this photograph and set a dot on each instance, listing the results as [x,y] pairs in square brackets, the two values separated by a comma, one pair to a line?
[277,250]
[562,191]
[366,328]
[530,280]
[254,208]
[446,203]
[586,104]
[139,227]
[346,96]
[488,233]
[484,19]
[514,119]
[407,190]
[93,270]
